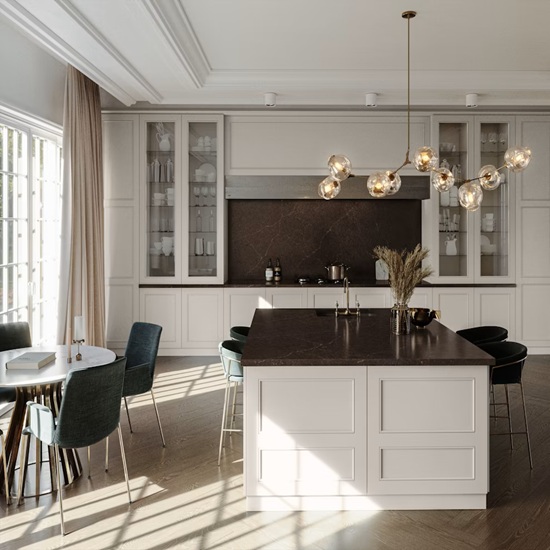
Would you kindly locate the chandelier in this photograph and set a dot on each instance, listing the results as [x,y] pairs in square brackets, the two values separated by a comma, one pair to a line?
[425,159]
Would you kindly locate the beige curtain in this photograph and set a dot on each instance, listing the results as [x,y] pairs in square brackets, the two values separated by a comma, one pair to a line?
[82,282]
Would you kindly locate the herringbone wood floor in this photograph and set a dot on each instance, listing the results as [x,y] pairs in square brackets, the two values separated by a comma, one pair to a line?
[183,500]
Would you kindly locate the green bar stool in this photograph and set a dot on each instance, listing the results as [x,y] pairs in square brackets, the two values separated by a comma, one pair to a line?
[231,352]
[239,333]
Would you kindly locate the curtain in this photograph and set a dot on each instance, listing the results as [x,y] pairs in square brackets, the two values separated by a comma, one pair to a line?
[82,281]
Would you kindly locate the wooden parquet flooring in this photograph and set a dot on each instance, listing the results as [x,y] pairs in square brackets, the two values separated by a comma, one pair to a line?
[182,499]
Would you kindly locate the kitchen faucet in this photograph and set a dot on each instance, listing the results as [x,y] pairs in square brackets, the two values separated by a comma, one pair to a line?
[347,311]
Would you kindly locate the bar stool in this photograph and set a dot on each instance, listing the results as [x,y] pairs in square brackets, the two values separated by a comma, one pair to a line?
[484,334]
[510,359]
[231,352]
[239,333]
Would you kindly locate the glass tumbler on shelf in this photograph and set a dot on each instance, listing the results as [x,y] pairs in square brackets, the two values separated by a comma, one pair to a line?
[204,192]
[197,193]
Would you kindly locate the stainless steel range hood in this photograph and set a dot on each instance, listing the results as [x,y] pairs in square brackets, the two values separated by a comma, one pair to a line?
[305,187]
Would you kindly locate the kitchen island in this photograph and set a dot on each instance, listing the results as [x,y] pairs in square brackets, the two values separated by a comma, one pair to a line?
[342,414]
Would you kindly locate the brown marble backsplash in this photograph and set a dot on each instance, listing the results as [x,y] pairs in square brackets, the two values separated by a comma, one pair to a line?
[308,234]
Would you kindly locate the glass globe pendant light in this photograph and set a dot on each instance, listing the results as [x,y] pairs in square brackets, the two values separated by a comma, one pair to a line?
[442,179]
[395,182]
[517,158]
[379,184]
[470,195]
[489,177]
[425,159]
[329,188]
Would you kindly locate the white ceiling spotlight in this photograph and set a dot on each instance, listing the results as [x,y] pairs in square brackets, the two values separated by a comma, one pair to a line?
[371,99]
[471,100]
[270,99]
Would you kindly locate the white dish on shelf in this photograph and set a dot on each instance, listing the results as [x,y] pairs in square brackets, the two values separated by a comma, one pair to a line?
[484,241]
[209,172]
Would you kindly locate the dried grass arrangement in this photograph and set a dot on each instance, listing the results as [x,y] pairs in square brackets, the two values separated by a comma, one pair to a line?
[404,269]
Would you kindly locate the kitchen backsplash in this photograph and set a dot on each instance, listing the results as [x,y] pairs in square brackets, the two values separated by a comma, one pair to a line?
[308,234]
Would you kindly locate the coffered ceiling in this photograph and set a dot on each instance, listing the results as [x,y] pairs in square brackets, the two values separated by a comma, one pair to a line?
[311,53]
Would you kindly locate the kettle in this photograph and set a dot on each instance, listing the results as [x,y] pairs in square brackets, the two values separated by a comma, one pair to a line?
[336,271]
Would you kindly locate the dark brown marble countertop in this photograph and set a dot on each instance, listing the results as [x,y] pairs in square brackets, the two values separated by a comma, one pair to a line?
[303,337]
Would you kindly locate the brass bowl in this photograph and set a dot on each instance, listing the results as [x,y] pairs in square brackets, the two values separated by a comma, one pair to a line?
[423,316]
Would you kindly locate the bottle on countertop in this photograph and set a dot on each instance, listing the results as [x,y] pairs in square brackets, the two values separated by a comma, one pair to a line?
[269,272]
[277,272]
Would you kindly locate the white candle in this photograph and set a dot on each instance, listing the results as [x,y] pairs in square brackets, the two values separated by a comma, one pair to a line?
[79,328]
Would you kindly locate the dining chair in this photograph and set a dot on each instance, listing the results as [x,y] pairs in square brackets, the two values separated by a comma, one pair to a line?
[231,352]
[13,336]
[89,412]
[484,334]
[141,355]
[5,468]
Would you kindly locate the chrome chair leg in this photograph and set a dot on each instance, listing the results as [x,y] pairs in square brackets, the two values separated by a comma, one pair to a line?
[128,415]
[107,454]
[526,426]
[123,455]
[59,490]
[89,456]
[158,418]
[5,466]
[224,415]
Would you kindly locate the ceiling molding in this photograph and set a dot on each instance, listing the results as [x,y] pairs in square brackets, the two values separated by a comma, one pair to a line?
[178,34]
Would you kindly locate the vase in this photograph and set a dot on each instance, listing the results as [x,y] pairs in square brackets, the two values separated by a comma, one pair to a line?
[400,320]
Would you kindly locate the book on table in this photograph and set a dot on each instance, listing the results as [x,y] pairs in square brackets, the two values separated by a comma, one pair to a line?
[31,360]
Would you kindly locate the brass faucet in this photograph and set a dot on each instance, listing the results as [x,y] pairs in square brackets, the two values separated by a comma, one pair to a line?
[347,311]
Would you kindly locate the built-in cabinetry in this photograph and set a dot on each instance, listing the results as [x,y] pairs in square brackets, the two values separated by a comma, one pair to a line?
[473,247]
[182,199]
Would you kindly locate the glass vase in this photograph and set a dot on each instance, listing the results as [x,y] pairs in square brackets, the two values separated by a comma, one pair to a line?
[400,319]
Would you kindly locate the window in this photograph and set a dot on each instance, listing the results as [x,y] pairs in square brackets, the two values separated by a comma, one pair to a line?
[30,212]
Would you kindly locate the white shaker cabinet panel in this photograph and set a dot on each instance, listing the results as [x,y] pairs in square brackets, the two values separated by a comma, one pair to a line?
[301,144]
[496,306]
[162,306]
[284,297]
[202,322]
[535,242]
[240,304]
[456,306]
[325,297]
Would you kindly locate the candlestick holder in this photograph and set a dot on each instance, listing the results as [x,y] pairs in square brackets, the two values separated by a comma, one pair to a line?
[78,344]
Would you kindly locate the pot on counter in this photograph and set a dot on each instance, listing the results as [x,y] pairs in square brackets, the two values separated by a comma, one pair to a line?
[336,271]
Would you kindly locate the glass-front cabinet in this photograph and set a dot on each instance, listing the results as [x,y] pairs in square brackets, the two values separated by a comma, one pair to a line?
[473,246]
[182,199]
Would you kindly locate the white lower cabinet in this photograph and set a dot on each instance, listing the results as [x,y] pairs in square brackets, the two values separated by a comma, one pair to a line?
[496,306]
[162,306]
[202,322]
[239,305]
[286,297]
[456,305]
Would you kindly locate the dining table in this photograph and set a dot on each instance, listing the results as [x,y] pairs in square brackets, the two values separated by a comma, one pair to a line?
[44,385]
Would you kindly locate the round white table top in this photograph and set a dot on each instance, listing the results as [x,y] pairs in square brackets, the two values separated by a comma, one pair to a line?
[56,371]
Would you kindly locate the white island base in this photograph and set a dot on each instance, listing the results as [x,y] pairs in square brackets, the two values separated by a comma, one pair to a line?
[366,437]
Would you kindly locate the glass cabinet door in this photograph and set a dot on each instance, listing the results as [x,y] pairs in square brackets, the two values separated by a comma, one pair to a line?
[454,227]
[494,213]
[161,195]
[205,200]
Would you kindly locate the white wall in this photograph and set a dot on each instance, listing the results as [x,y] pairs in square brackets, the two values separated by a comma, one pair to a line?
[31,80]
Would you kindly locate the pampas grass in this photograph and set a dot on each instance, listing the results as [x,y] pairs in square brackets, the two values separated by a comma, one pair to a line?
[404,269]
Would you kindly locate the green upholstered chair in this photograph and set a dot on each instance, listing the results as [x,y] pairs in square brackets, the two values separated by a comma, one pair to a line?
[141,355]
[231,352]
[239,333]
[5,468]
[89,412]
[13,336]
[510,359]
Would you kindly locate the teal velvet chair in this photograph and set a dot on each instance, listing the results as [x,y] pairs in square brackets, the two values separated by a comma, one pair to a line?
[89,412]
[141,355]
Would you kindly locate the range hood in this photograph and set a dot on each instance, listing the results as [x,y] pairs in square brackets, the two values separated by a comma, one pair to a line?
[305,187]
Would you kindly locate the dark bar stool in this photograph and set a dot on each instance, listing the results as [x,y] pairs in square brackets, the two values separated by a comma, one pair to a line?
[231,352]
[239,333]
[510,359]
[484,334]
